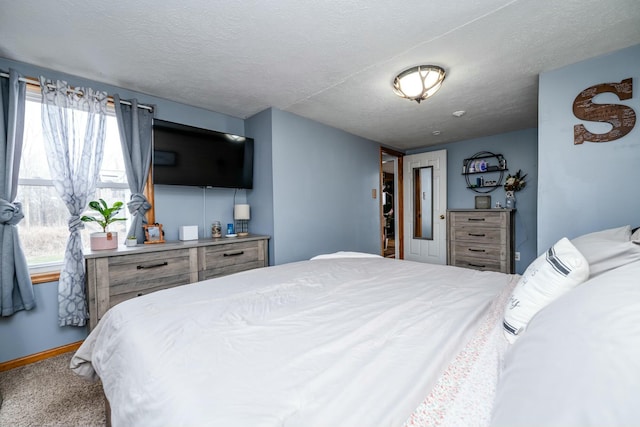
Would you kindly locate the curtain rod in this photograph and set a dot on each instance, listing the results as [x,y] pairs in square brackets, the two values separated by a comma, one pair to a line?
[37,83]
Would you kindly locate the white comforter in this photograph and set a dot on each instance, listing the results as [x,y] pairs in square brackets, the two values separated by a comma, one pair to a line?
[327,342]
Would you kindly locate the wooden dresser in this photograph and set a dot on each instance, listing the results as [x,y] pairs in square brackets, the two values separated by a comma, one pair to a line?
[117,275]
[482,239]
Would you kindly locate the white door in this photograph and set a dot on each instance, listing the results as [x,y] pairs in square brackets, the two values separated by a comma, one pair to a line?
[425,206]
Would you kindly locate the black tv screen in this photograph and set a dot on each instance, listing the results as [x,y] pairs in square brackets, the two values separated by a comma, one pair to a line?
[186,155]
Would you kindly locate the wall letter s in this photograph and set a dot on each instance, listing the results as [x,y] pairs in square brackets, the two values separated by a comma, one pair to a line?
[621,117]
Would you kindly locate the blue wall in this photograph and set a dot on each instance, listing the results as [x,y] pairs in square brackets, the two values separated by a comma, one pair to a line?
[592,186]
[259,127]
[520,150]
[36,330]
[321,186]
[322,189]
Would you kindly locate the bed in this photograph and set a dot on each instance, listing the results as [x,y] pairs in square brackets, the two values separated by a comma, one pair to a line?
[351,339]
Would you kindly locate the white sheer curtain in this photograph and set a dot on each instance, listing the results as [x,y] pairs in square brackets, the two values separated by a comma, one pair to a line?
[73,122]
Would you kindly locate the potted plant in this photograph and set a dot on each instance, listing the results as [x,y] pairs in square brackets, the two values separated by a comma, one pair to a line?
[107,215]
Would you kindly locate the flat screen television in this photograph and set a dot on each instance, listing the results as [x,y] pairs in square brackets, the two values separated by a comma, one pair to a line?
[186,155]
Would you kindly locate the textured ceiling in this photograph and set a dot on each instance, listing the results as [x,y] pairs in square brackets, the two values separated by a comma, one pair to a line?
[332,60]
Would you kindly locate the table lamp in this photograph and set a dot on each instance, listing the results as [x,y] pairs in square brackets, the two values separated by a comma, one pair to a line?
[241,216]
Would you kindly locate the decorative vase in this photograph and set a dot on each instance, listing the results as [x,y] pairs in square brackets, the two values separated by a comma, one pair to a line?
[216,229]
[510,200]
[103,241]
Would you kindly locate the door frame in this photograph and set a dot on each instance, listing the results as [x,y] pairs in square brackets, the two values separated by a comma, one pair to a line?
[397,200]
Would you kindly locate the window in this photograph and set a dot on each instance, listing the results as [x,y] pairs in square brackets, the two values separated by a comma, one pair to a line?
[44,230]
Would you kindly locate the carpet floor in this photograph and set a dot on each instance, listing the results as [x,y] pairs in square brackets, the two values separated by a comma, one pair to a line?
[48,393]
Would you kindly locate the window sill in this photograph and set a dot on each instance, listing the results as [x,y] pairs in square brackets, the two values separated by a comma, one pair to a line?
[50,276]
[45,272]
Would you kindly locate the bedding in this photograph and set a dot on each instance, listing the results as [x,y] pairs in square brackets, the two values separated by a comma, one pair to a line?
[334,341]
[578,364]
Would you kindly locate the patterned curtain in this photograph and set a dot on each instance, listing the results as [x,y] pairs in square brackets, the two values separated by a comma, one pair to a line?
[135,129]
[73,122]
[16,289]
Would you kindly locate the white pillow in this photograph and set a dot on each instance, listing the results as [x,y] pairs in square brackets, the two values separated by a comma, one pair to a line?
[561,268]
[618,234]
[607,249]
[346,254]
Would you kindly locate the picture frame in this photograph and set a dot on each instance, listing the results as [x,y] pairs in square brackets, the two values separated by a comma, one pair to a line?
[483,202]
[153,233]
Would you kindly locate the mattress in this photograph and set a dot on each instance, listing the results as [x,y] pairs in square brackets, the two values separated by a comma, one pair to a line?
[348,341]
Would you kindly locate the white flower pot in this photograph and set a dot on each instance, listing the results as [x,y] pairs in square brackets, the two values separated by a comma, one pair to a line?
[103,241]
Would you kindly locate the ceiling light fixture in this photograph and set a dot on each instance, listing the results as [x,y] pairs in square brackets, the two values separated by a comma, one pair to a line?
[418,83]
[459,113]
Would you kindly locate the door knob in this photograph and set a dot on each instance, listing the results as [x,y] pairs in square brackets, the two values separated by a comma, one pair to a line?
[441,216]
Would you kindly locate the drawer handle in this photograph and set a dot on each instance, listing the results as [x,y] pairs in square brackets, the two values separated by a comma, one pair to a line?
[475,219]
[162,264]
[140,294]
[477,235]
[476,265]
[233,253]
[476,250]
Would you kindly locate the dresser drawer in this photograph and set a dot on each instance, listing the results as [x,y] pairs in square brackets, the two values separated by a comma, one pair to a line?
[479,235]
[138,290]
[231,258]
[477,219]
[496,251]
[135,274]
[479,264]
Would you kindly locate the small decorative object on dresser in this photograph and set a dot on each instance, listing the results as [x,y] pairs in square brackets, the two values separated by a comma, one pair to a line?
[512,184]
[483,202]
[103,240]
[188,232]
[482,239]
[242,216]
[153,233]
[216,229]
[131,241]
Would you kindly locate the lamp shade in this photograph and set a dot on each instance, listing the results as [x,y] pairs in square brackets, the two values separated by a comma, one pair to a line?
[419,83]
[241,212]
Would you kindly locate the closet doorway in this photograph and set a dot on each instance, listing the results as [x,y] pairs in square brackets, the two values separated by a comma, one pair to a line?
[391,230]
